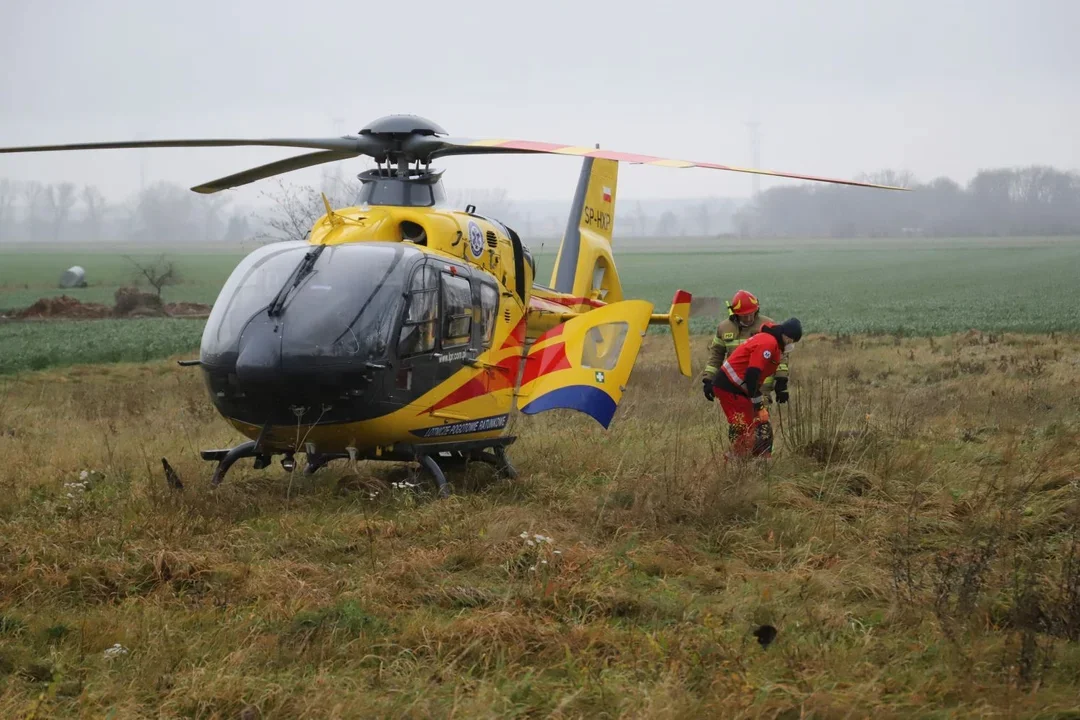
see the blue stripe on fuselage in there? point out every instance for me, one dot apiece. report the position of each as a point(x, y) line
point(592, 401)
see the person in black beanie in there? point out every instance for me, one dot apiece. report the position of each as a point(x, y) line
point(738, 387)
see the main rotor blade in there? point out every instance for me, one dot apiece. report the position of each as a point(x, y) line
point(346, 143)
point(444, 147)
point(270, 169)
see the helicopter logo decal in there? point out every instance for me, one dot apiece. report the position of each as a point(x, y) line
point(476, 239)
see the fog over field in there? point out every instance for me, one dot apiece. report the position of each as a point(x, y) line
point(977, 109)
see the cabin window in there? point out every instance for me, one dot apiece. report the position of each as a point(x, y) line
point(603, 344)
point(457, 310)
point(489, 309)
point(422, 314)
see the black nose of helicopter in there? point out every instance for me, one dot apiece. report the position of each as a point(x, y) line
point(304, 335)
point(269, 385)
point(273, 381)
point(258, 364)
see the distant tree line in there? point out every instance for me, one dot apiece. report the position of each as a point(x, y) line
point(1023, 201)
point(161, 213)
point(168, 214)
point(1030, 201)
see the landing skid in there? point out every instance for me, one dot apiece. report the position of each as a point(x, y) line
point(491, 452)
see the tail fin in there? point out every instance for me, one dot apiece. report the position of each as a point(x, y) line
point(678, 319)
point(584, 266)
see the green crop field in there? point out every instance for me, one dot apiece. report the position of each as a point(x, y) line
point(909, 286)
point(38, 345)
point(26, 276)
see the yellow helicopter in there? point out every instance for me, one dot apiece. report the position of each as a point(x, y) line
point(405, 330)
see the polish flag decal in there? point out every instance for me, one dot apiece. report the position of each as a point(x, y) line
point(607, 194)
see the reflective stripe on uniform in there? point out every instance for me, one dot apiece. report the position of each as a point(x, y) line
point(732, 375)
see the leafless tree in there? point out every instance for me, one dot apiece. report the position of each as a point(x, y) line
point(705, 218)
point(158, 272)
point(294, 209)
point(60, 199)
point(668, 225)
point(211, 207)
point(641, 220)
point(9, 190)
point(165, 213)
point(34, 193)
point(95, 210)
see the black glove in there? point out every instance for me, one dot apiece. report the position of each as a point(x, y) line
point(781, 390)
point(706, 387)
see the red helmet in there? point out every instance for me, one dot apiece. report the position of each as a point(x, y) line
point(744, 304)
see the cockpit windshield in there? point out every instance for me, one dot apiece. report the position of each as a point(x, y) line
point(342, 311)
point(249, 289)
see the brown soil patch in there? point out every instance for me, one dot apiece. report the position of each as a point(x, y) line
point(129, 303)
point(63, 307)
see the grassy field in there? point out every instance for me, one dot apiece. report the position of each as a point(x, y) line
point(914, 543)
point(909, 286)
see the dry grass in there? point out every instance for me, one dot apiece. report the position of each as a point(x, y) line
point(915, 543)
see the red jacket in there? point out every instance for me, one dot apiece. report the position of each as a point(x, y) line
point(744, 369)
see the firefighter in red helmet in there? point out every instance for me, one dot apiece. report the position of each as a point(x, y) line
point(739, 383)
point(744, 320)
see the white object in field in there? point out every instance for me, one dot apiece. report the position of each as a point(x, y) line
point(73, 277)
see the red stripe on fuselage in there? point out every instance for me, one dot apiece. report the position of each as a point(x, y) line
point(486, 381)
point(545, 361)
point(516, 338)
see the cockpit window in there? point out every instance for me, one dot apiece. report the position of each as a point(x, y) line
point(342, 311)
point(250, 288)
point(345, 310)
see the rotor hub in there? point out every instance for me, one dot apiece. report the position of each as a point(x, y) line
point(399, 125)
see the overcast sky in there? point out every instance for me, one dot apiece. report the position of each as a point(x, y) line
point(941, 87)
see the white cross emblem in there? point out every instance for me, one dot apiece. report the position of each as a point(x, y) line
point(599, 376)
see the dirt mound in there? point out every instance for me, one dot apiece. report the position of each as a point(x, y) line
point(132, 302)
point(187, 309)
point(64, 307)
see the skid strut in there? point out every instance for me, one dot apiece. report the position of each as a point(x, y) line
point(486, 451)
point(428, 463)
